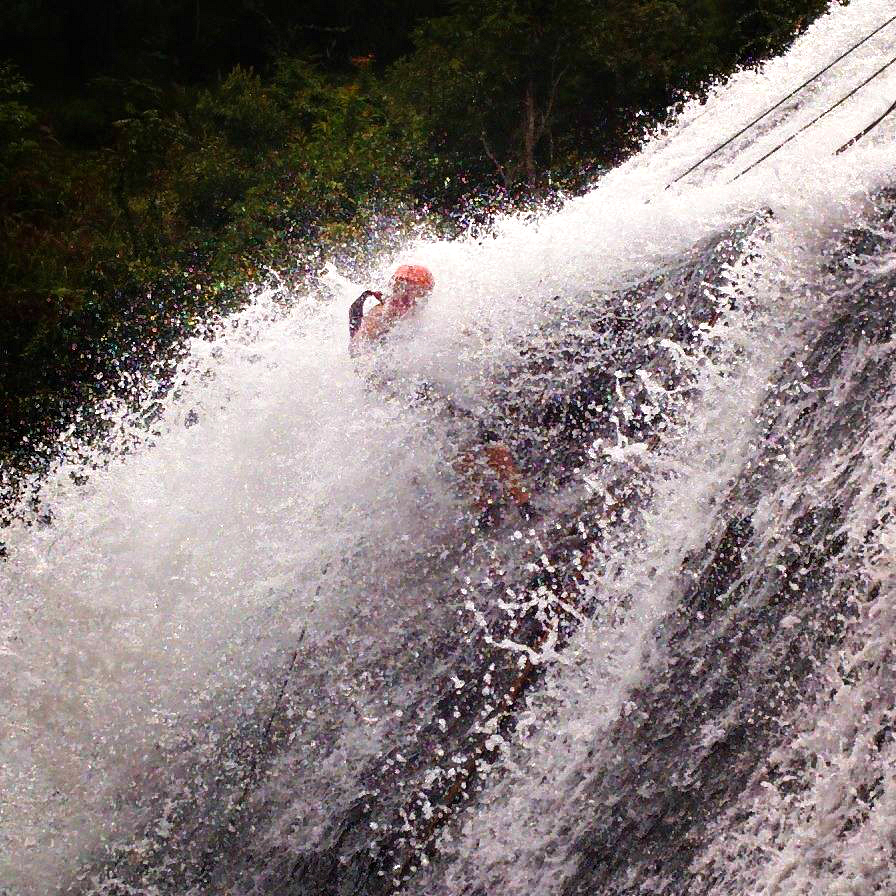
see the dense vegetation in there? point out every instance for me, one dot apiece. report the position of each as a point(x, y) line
point(156, 156)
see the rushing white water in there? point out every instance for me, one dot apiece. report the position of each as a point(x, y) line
point(280, 500)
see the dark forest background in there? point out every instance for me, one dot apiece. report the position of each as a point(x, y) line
point(155, 156)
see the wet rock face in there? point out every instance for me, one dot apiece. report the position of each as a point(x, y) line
point(763, 611)
point(583, 387)
point(610, 373)
point(756, 612)
point(602, 370)
point(694, 739)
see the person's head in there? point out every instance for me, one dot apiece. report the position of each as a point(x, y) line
point(409, 284)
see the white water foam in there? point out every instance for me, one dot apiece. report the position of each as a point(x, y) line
point(818, 816)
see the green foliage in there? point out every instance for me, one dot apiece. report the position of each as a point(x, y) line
point(16, 120)
point(498, 75)
point(133, 171)
point(754, 30)
point(243, 111)
point(207, 182)
point(521, 87)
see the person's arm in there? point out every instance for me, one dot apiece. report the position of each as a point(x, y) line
point(356, 311)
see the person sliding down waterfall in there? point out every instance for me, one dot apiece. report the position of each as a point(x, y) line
point(408, 287)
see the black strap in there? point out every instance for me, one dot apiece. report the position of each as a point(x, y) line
point(817, 118)
point(866, 131)
point(780, 103)
point(356, 311)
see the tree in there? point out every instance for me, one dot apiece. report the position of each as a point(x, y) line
point(493, 73)
point(515, 73)
point(751, 30)
point(16, 120)
point(518, 84)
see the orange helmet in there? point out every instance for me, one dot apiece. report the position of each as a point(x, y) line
point(414, 274)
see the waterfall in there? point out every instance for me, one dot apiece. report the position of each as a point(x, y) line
point(256, 644)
